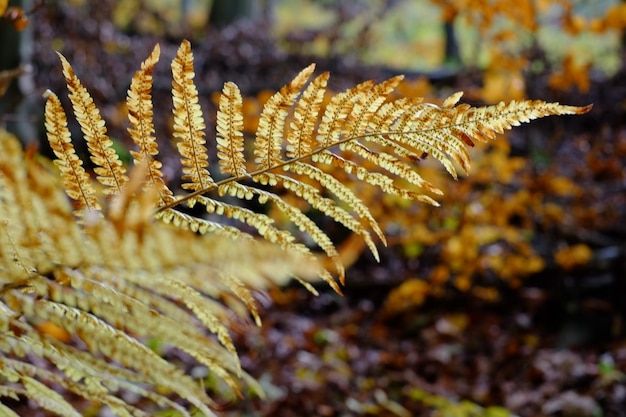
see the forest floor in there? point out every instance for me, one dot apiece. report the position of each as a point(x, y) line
point(552, 343)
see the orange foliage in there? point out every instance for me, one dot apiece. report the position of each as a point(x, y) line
point(571, 74)
point(570, 257)
point(14, 15)
point(503, 29)
point(405, 297)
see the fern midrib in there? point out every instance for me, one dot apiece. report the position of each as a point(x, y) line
point(503, 115)
point(192, 141)
point(278, 166)
point(232, 132)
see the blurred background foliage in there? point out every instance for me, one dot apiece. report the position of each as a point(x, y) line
point(535, 234)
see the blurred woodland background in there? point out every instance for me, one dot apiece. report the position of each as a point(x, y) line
point(509, 298)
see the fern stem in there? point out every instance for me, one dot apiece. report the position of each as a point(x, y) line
point(252, 174)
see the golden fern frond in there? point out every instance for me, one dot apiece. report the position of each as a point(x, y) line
point(295, 215)
point(196, 224)
point(142, 320)
point(45, 397)
point(109, 168)
point(4, 410)
point(230, 141)
point(366, 106)
point(327, 206)
point(271, 131)
point(300, 139)
point(115, 285)
point(298, 143)
point(101, 337)
point(77, 183)
point(140, 114)
point(188, 122)
point(342, 192)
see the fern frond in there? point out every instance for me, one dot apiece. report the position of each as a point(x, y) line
point(337, 113)
point(261, 222)
point(77, 183)
point(118, 345)
point(6, 411)
point(103, 301)
point(47, 398)
point(327, 206)
point(361, 131)
point(188, 122)
point(115, 289)
point(268, 145)
point(300, 139)
point(88, 376)
point(195, 224)
point(295, 215)
point(365, 108)
point(109, 168)
point(340, 190)
point(230, 142)
point(139, 102)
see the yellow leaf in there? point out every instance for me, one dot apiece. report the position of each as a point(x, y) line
point(572, 256)
point(463, 283)
point(452, 324)
point(503, 86)
point(409, 295)
point(572, 74)
point(440, 275)
point(563, 187)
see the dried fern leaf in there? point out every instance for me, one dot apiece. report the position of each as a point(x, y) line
point(337, 113)
point(123, 311)
point(390, 163)
point(485, 122)
point(109, 168)
point(89, 388)
point(146, 280)
point(195, 224)
point(327, 206)
point(86, 375)
point(393, 117)
point(230, 141)
point(340, 190)
point(17, 268)
point(261, 222)
point(268, 145)
point(77, 183)
point(119, 346)
point(6, 411)
point(140, 116)
point(48, 398)
point(295, 215)
point(243, 293)
point(377, 179)
point(189, 124)
point(365, 107)
point(301, 140)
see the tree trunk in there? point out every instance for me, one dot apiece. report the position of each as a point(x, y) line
point(225, 12)
point(16, 105)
